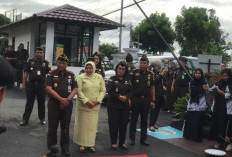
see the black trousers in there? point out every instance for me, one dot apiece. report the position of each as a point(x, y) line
point(118, 120)
point(154, 113)
point(181, 91)
point(140, 106)
point(32, 91)
point(56, 116)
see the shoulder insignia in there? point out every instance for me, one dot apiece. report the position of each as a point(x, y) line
point(70, 72)
point(151, 71)
point(52, 71)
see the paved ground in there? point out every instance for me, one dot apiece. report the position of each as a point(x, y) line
point(30, 141)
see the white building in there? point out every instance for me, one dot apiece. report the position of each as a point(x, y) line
point(65, 29)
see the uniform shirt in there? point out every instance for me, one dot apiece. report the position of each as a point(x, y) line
point(37, 70)
point(22, 57)
point(11, 54)
point(117, 87)
point(62, 84)
point(131, 67)
point(100, 71)
point(159, 82)
point(181, 77)
point(142, 82)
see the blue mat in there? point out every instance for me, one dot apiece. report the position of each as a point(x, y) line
point(166, 132)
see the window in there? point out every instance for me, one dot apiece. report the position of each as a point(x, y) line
point(42, 34)
point(75, 41)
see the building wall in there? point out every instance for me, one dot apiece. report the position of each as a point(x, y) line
point(22, 34)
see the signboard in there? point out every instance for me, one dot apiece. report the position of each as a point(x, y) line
point(59, 50)
point(209, 63)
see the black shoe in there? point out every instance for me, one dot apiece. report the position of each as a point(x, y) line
point(65, 152)
point(82, 150)
point(91, 149)
point(123, 147)
point(114, 148)
point(42, 122)
point(23, 123)
point(132, 142)
point(144, 142)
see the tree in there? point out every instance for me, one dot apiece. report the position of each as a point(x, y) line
point(151, 42)
point(218, 49)
point(108, 50)
point(4, 20)
point(196, 29)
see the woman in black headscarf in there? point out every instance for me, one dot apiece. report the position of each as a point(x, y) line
point(196, 107)
point(98, 63)
point(219, 116)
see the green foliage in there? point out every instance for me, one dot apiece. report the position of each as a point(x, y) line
point(145, 33)
point(218, 49)
point(4, 20)
point(212, 77)
point(180, 107)
point(197, 29)
point(108, 50)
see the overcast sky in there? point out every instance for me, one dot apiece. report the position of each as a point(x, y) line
point(132, 15)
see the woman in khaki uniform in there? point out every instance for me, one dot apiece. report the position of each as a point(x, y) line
point(91, 92)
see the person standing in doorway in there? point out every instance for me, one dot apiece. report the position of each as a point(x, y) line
point(22, 56)
point(11, 56)
point(36, 69)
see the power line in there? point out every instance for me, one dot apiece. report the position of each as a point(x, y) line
point(128, 26)
point(123, 8)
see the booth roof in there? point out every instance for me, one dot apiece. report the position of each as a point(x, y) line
point(68, 14)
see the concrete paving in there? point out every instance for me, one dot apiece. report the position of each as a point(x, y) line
point(30, 141)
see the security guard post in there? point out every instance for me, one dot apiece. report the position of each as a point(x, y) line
point(143, 96)
point(180, 83)
point(36, 69)
point(61, 87)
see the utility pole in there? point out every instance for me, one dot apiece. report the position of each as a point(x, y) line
point(120, 34)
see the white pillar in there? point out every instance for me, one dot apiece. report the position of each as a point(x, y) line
point(49, 41)
point(96, 39)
